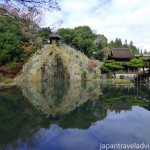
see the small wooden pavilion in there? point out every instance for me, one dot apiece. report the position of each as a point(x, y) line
point(54, 38)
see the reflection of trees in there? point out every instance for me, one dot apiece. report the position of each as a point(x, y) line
point(113, 98)
point(72, 105)
point(122, 97)
point(144, 90)
point(19, 120)
point(84, 116)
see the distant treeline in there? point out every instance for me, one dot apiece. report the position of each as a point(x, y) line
point(18, 40)
point(93, 45)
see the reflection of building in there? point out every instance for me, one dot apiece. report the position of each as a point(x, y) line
point(144, 71)
point(119, 106)
point(54, 38)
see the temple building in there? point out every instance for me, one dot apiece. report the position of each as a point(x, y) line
point(55, 38)
point(123, 55)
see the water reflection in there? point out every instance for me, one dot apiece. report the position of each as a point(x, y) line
point(73, 116)
point(57, 98)
point(19, 120)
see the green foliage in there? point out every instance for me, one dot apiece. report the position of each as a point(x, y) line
point(10, 37)
point(111, 66)
point(19, 119)
point(12, 64)
point(45, 33)
point(137, 62)
point(83, 39)
point(67, 35)
point(118, 44)
point(102, 41)
point(122, 77)
point(134, 49)
point(84, 75)
point(96, 75)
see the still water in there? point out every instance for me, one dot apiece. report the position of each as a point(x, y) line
point(73, 116)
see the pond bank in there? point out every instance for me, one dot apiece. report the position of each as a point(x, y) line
point(10, 82)
point(117, 81)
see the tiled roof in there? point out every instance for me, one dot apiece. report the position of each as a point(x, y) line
point(55, 35)
point(121, 53)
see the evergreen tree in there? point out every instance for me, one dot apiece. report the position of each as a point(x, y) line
point(10, 38)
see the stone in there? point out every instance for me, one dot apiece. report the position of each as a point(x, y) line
point(59, 62)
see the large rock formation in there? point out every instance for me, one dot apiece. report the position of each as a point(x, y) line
point(59, 62)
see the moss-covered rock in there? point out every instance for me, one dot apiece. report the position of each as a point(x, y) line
point(63, 62)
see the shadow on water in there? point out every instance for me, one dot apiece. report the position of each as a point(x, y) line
point(27, 111)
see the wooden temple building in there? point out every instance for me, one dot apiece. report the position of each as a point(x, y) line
point(123, 55)
point(55, 38)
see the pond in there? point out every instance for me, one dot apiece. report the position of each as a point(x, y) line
point(74, 116)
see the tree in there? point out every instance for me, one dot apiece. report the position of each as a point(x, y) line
point(82, 38)
point(131, 44)
point(10, 38)
point(101, 41)
point(125, 44)
point(111, 66)
point(137, 62)
point(135, 50)
point(37, 6)
point(118, 44)
point(67, 35)
point(45, 33)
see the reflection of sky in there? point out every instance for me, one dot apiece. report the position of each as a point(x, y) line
point(125, 127)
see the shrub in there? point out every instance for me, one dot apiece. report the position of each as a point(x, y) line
point(84, 75)
point(122, 77)
point(96, 75)
point(12, 64)
point(92, 64)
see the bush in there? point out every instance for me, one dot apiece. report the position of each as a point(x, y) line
point(122, 77)
point(84, 75)
point(92, 64)
point(12, 64)
point(96, 75)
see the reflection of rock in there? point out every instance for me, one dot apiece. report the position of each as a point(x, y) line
point(60, 97)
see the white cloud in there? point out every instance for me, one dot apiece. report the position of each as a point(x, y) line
point(126, 19)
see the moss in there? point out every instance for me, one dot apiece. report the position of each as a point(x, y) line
point(12, 64)
point(51, 53)
point(96, 75)
point(84, 75)
point(123, 82)
point(77, 56)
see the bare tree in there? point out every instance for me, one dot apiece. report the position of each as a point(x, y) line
point(16, 7)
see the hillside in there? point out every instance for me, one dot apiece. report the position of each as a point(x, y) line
point(59, 62)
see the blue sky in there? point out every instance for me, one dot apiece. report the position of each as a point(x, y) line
point(126, 19)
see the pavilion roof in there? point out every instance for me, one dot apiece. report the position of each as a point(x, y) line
point(55, 35)
point(121, 53)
